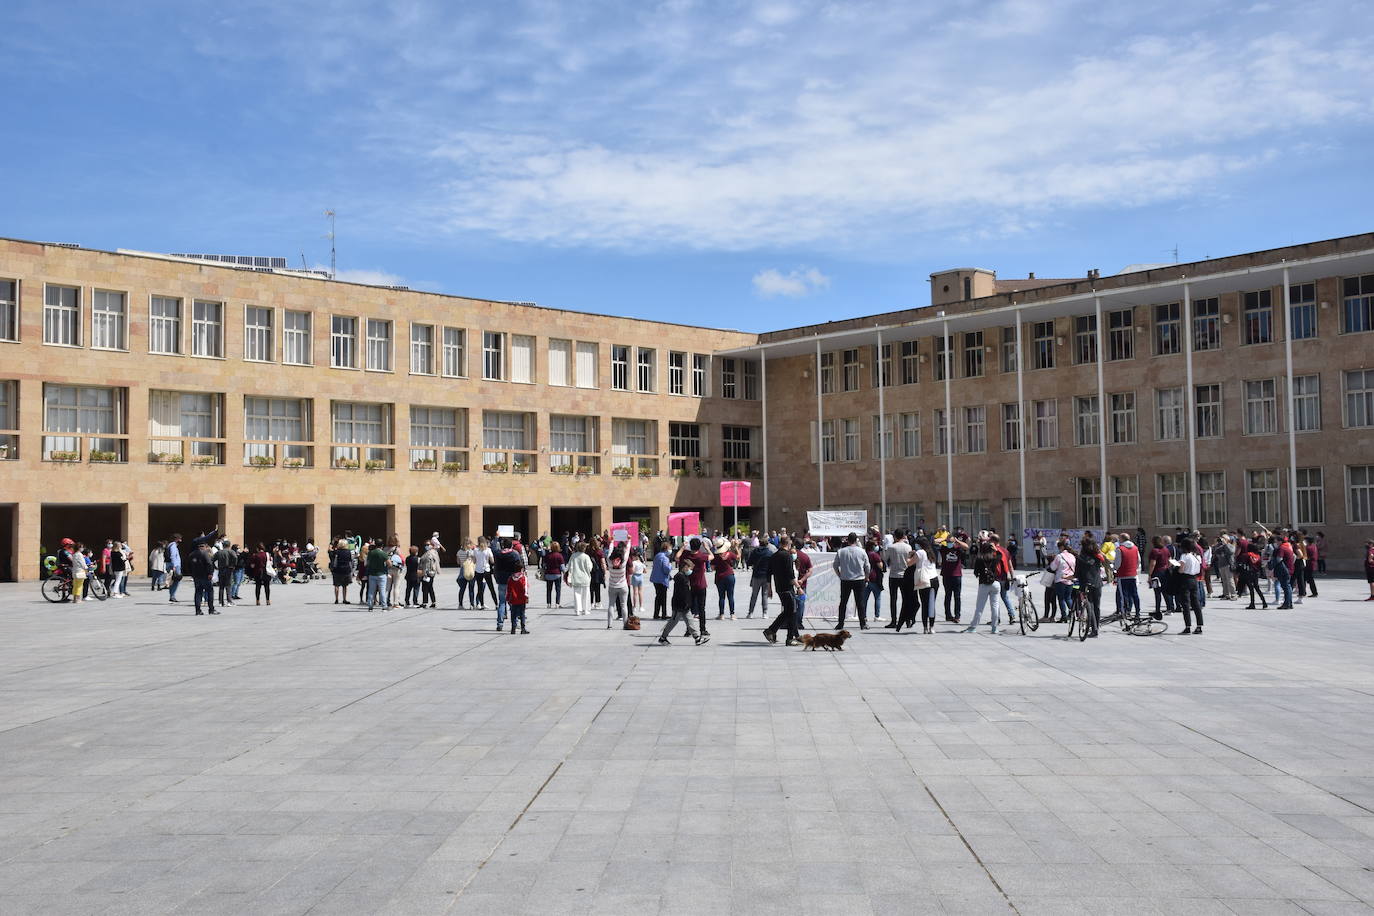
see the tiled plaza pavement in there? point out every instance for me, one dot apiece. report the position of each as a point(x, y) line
point(312, 758)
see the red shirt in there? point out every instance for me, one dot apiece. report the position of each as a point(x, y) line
point(1130, 560)
point(724, 565)
point(803, 570)
point(1159, 560)
point(1286, 555)
point(516, 592)
point(699, 561)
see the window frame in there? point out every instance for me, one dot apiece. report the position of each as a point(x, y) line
point(1201, 408)
point(494, 356)
point(620, 367)
point(1350, 396)
point(1179, 411)
point(1085, 340)
point(214, 328)
point(1303, 400)
point(11, 324)
point(1120, 337)
point(418, 348)
point(1257, 320)
point(74, 315)
point(370, 339)
point(1249, 404)
point(349, 340)
point(1042, 345)
point(1206, 324)
point(250, 331)
point(1357, 307)
point(293, 337)
point(1303, 321)
point(121, 326)
point(160, 326)
point(973, 354)
point(461, 349)
point(1167, 330)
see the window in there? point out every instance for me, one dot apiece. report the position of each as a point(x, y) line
point(207, 329)
point(738, 451)
point(942, 358)
point(1011, 427)
point(1211, 497)
point(941, 431)
point(911, 362)
point(1168, 330)
point(882, 365)
point(177, 415)
point(1123, 418)
point(677, 365)
point(1207, 412)
point(1311, 497)
point(1261, 407)
point(358, 423)
point(455, 352)
point(1090, 502)
point(1085, 339)
point(343, 342)
point(969, 514)
point(1360, 493)
point(849, 374)
point(493, 356)
point(973, 354)
point(900, 515)
point(1257, 318)
point(883, 444)
point(421, 349)
point(560, 362)
point(295, 343)
point(1302, 311)
point(257, 334)
point(9, 310)
point(1206, 324)
point(1046, 423)
point(522, 358)
point(1126, 500)
point(586, 364)
point(827, 373)
point(438, 436)
point(1357, 314)
point(701, 372)
point(1262, 489)
point(850, 445)
point(164, 325)
point(646, 363)
point(631, 438)
point(1169, 414)
point(82, 411)
point(107, 320)
point(685, 446)
point(1173, 500)
point(1087, 424)
point(1009, 349)
point(570, 436)
point(729, 378)
point(827, 440)
point(1041, 513)
point(1121, 334)
point(975, 429)
point(620, 367)
point(271, 420)
point(1042, 345)
point(379, 344)
point(909, 427)
point(62, 316)
point(1359, 398)
point(505, 431)
point(9, 419)
point(1307, 405)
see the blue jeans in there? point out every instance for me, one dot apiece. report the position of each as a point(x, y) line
point(725, 591)
point(1128, 593)
point(174, 577)
point(874, 593)
point(501, 605)
point(376, 591)
point(1063, 593)
point(1283, 581)
point(238, 580)
point(1006, 601)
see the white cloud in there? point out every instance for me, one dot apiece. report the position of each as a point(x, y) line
point(794, 284)
point(367, 276)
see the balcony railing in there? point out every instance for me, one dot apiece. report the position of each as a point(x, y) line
point(95, 449)
point(739, 469)
point(448, 460)
point(690, 467)
point(633, 466)
point(200, 452)
point(578, 464)
point(515, 461)
point(367, 457)
point(278, 454)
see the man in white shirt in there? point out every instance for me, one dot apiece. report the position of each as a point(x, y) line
point(851, 567)
point(894, 558)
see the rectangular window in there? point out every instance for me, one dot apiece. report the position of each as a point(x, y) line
point(455, 352)
point(701, 373)
point(620, 367)
point(729, 377)
point(358, 423)
point(632, 438)
point(685, 446)
point(677, 367)
point(1123, 418)
point(1211, 497)
point(1042, 345)
point(909, 430)
point(1041, 512)
point(1207, 324)
point(1359, 398)
point(9, 420)
point(882, 366)
point(9, 310)
point(1357, 312)
point(295, 343)
point(343, 342)
point(943, 346)
point(569, 435)
point(164, 325)
point(1207, 411)
point(1046, 414)
point(1257, 318)
point(207, 329)
point(941, 431)
point(1090, 502)
point(1311, 497)
point(1169, 414)
point(505, 431)
point(1121, 334)
point(910, 362)
point(851, 439)
point(646, 361)
point(177, 415)
point(1011, 427)
point(1168, 330)
point(379, 345)
point(969, 514)
point(750, 370)
point(522, 358)
point(438, 436)
point(1307, 404)
point(107, 320)
point(560, 362)
point(1360, 493)
point(827, 440)
point(494, 356)
point(1261, 407)
point(273, 420)
point(1087, 424)
point(827, 373)
point(257, 334)
point(739, 451)
point(1085, 339)
point(74, 412)
point(1262, 490)
point(975, 429)
point(61, 316)
point(421, 349)
point(1173, 500)
point(586, 368)
point(1009, 349)
point(1126, 500)
point(884, 445)
point(1302, 311)
point(973, 354)
point(849, 370)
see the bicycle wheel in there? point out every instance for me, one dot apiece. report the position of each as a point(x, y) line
point(1081, 612)
point(56, 589)
point(1027, 613)
point(96, 589)
point(1148, 627)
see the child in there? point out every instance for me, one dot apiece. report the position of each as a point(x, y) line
point(682, 603)
point(517, 596)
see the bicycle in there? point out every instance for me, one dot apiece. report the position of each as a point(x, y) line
point(1138, 625)
point(58, 588)
point(1026, 612)
point(1078, 614)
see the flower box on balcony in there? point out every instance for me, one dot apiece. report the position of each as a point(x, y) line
point(521, 467)
point(262, 461)
point(622, 472)
point(424, 464)
point(374, 464)
point(561, 469)
point(205, 461)
point(104, 457)
point(64, 456)
point(293, 463)
point(452, 467)
point(584, 470)
point(679, 472)
point(646, 472)
point(168, 458)
point(496, 467)
point(348, 464)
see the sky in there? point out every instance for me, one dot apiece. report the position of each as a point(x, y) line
point(752, 165)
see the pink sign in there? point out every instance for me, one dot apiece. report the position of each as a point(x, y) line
point(627, 532)
point(684, 524)
point(734, 492)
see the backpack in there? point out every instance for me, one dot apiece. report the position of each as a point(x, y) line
point(469, 569)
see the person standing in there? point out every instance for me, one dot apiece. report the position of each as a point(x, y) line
point(1248, 571)
point(1186, 585)
point(1282, 563)
point(852, 568)
point(395, 572)
point(660, 577)
point(551, 564)
point(173, 567)
point(118, 570)
point(429, 574)
point(617, 584)
point(1368, 565)
point(758, 575)
point(341, 569)
point(517, 598)
point(376, 577)
point(1161, 575)
point(157, 565)
point(700, 559)
point(783, 568)
point(723, 565)
point(1063, 566)
point(578, 577)
point(986, 565)
point(507, 561)
point(412, 574)
point(894, 558)
point(876, 574)
point(1315, 562)
point(953, 555)
point(1005, 571)
point(482, 560)
point(225, 562)
point(202, 569)
point(682, 604)
point(1223, 562)
point(1091, 571)
point(1127, 563)
point(259, 562)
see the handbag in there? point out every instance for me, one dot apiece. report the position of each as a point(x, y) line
point(1046, 578)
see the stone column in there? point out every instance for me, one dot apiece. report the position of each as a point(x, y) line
point(26, 537)
point(231, 522)
point(135, 523)
point(398, 522)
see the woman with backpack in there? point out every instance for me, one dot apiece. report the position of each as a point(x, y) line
point(552, 566)
point(1091, 572)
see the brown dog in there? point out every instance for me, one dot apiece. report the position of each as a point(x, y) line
point(827, 641)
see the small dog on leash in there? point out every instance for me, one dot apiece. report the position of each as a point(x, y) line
point(827, 641)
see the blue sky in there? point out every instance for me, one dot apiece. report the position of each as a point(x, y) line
point(746, 164)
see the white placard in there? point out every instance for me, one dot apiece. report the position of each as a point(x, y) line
point(837, 522)
point(505, 531)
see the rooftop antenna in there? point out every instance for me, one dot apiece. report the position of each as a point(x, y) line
point(304, 266)
point(333, 257)
point(1173, 251)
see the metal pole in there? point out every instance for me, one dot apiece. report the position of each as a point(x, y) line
point(949, 429)
point(1292, 419)
point(882, 442)
point(820, 438)
point(1188, 405)
point(1101, 411)
point(1021, 431)
point(763, 399)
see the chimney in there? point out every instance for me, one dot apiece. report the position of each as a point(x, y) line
point(1032, 276)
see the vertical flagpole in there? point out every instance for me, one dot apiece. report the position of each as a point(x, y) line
point(1292, 419)
point(949, 429)
point(1021, 431)
point(820, 438)
point(763, 395)
point(1101, 413)
point(882, 440)
point(1188, 405)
